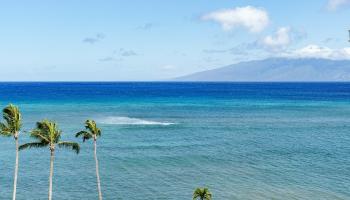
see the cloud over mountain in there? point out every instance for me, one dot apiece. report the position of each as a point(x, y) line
point(315, 51)
point(279, 40)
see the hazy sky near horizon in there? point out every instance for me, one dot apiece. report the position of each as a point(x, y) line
point(157, 40)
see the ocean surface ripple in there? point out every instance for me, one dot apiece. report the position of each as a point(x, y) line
point(161, 140)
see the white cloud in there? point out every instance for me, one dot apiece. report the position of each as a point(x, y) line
point(254, 19)
point(315, 51)
point(279, 40)
point(335, 4)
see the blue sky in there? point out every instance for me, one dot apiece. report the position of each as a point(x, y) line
point(156, 39)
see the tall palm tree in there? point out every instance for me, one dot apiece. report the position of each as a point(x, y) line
point(12, 127)
point(46, 134)
point(92, 131)
point(202, 194)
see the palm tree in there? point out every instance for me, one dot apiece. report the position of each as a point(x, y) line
point(92, 131)
point(46, 134)
point(12, 127)
point(202, 194)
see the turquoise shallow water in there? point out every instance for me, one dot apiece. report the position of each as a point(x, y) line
point(161, 140)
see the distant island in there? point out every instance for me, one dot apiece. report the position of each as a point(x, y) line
point(278, 69)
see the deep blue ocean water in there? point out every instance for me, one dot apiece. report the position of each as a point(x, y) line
point(162, 140)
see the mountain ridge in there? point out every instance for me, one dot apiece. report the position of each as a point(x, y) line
point(277, 69)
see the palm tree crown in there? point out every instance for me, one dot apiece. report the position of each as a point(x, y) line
point(13, 121)
point(47, 134)
point(92, 131)
point(202, 194)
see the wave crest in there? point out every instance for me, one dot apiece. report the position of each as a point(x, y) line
point(131, 121)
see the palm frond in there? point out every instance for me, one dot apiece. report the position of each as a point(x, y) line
point(2, 126)
point(4, 130)
point(85, 134)
point(197, 193)
point(48, 130)
point(92, 131)
point(12, 116)
point(80, 133)
point(39, 135)
point(33, 145)
point(207, 194)
point(202, 193)
point(72, 145)
point(48, 134)
point(92, 127)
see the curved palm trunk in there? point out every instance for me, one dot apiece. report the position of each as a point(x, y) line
point(51, 174)
point(97, 171)
point(16, 171)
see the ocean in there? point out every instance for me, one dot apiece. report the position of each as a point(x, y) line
point(162, 140)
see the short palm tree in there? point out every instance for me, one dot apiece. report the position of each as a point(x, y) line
point(92, 131)
point(46, 134)
point(12, 127)
point(202, 194)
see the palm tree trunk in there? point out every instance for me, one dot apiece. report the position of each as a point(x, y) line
point(97, 171)
point(16, 171)
point(51, 174)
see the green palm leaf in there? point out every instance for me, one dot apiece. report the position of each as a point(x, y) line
point(32, 145)
point(47, 133)
point(80, 133)
point(86, 135)
point(4, 130)
point(92, 131)
point(202, 194)
point(12, 121)
point(72, 145)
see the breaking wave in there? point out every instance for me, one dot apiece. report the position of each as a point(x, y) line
point(131, 121)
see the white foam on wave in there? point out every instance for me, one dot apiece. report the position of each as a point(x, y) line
point(131, 121)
